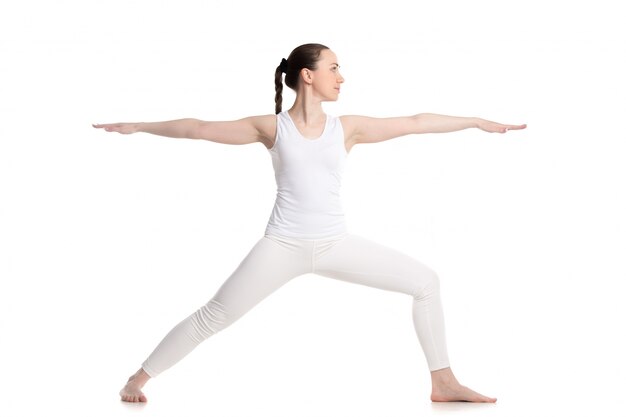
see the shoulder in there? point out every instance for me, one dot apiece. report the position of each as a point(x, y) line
point(265, 125)
point(351, 123)
point(263, 121)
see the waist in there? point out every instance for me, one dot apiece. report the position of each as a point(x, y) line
point(298, 223)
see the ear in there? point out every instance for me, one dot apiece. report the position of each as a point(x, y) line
point(306, 75)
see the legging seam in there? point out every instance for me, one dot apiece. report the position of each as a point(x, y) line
point(343, 271)
point(313, 256)
point(372, 275)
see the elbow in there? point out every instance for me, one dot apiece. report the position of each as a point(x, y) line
point(419, 122)
point(193, 129)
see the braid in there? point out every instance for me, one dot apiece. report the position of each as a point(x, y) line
point(278, 82)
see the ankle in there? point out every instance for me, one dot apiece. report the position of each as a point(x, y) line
point(139, 378)
point(443, 377)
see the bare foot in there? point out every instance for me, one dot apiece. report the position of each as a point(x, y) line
point(459, 393)
point(446, 388)
point(132, 390)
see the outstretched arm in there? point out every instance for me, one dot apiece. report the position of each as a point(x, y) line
point(236, 132)
point(360, 129)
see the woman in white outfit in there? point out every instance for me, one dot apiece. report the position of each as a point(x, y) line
point(306, 232)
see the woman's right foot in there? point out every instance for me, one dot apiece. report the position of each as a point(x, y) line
point(459, 393)
point(446, 388)
point(132, 390)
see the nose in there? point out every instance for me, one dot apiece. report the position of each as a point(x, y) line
point(340, 78)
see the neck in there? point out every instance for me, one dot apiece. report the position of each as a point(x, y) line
point(306, 108)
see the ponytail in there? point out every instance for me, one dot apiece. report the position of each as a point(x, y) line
point(278, 82)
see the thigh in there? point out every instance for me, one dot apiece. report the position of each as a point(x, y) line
point(362, 261)
point(266, 268)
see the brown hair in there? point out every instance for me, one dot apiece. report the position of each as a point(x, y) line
point(304, 56)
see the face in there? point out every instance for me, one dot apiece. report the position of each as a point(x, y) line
point(326, 79)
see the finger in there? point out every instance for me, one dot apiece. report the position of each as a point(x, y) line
point(516, 127)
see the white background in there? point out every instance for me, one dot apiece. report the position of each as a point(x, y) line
point(107, 241)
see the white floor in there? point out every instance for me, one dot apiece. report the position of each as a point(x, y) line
point(298, 397)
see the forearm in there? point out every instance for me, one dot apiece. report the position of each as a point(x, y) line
point(439, 123)
point(181, 128)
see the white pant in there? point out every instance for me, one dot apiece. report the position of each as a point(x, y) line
point(275, 260)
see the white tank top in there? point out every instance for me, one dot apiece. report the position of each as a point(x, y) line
point(308, 180)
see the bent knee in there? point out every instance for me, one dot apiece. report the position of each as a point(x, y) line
point(428, 285)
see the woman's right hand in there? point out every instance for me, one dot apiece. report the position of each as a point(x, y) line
point(123, 128)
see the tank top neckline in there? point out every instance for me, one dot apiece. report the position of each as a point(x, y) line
point(301, 136)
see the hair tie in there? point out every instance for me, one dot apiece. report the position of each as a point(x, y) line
point(283, 65)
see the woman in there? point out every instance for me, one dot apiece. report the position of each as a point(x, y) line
point(306, 232)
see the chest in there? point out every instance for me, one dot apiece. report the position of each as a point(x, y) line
point(305, 155)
